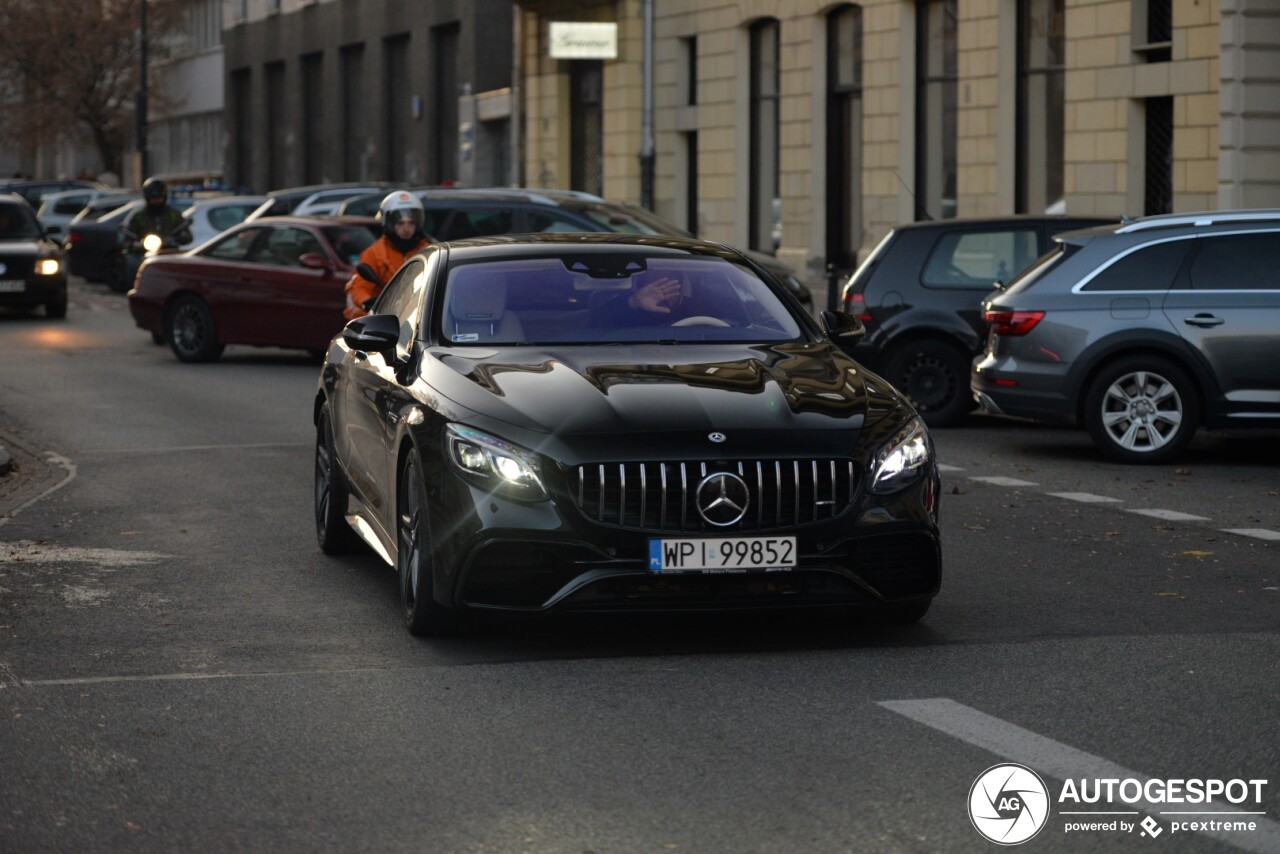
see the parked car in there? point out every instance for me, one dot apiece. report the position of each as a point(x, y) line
point(920, 292)
point(326, 202)
point(209, 217)
point(95, 246)
point(31, 266)
point(486, 436)
point(275, 282)
point(283, 202)
point(58, 209)
point(1143, 331)
point(453, 214)
point(34, 191)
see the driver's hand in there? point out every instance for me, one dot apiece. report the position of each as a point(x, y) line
point(659, 296)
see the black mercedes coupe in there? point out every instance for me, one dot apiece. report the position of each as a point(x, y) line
point(616, 422)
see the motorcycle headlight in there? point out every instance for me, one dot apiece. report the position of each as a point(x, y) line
point(494, 464)
point(152, 242)
point(900, 461)
point(48, 266)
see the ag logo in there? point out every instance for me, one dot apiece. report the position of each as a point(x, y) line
point(1008, 804)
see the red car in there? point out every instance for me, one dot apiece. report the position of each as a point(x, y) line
point(274, 282)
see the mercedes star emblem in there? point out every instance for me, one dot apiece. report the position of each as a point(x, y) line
point(722, 499)
point(717, 437)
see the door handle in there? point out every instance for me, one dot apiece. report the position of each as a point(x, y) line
point(1203, 320)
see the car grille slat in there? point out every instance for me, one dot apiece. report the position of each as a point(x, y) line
point(782, 493)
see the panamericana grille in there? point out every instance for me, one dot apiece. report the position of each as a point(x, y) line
point(662, 496)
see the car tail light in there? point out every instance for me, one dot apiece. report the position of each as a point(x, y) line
point(75, 237)
point(856, 304)
point(1012, 323)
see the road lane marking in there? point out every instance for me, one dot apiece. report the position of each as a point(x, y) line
point(34, 553)
point(1085, 497)
point(943, 467)
point(1260, 533)
point(1004, 481)
point(184, 448)
point(1057, 759)
point(1167, 515)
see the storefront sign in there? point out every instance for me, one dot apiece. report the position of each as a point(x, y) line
point(573, 40)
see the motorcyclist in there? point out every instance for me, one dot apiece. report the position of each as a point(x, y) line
point(402, 215)
point(156, 217)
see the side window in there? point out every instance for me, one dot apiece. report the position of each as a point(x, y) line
point(976, 259)
point(285, 246)
point(226, 216)
point(477, 222)
point(543, 221)
point(402, 297)
point(71, 204)
point(1238, 262)
point(234, 247)
point(1151, 268)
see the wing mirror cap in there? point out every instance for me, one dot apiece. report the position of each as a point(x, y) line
point(842, 327)
point(373, 333)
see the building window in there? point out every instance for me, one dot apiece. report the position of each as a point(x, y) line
point(241, 123)
point(689, 53)
point(396, 110)
point(1158, 169)
point(277, 153)
point(765, 204)
point(844, 136)
point(586, 125)
point(1041, 105)
point(353, 112)
point(444, 40)
point(1153, 29)
point(312, 115)
point(936, 73)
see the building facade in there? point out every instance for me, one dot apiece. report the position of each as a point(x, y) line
point(368, 90)
point(185, 135)
point(811, 127)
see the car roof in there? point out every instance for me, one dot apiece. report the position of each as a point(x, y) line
point(997, 221)
point(556, 243)
point(316, 221)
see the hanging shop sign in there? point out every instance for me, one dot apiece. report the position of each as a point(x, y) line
point(580, 40)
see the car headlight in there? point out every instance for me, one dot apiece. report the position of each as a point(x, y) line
point(495, 464)
point(48, 266)
point(900, 461)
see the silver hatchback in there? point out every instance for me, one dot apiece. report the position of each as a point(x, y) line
point(1142, 332)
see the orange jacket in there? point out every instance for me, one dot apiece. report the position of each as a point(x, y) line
point(385, 260)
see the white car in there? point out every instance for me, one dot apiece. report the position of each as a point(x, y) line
point(210, 217)
point(58, 209)
point(326, 202)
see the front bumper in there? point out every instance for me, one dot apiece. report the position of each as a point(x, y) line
point(39, 290)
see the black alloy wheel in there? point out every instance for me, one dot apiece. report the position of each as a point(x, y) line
point(1142, 409)
point(332, 531)
point(423, 615)
point(935, 376)
point(191, 332)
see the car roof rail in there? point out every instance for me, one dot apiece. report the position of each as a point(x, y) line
point(1201, 218)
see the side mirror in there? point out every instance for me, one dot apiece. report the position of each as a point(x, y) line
point(373, 333)
point(842, 327)
point(315, 261)
point(367, 272)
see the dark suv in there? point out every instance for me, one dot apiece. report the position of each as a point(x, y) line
point(919, 294)
point(1143, 331)
point(31, 266)
point(456, 214)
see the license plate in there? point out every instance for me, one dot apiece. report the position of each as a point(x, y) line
point(12, 286)
point(731, 554)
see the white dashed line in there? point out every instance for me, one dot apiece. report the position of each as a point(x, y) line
point(1004, 481)
point(943, 467)
point(1059, 760)
point(1260, 533)
point(1085, 497)
point(1168, 515)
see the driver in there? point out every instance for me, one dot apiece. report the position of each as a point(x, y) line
point(653, 304)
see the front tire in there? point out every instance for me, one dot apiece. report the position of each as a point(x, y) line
point(1142, 409)
point(332, 531)
point(934, 375)
point(423, 615)
point(192, 335)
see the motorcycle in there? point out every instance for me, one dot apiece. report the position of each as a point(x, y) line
point(136, 249)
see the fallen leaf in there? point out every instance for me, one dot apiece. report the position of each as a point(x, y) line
point(1197, 553)
point(132, 825)
point(1168, 594)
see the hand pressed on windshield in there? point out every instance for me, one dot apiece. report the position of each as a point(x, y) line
point(658, 296)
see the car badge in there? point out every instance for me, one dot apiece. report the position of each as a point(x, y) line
point(3, 269)
point(722, 499)
point(717, 437)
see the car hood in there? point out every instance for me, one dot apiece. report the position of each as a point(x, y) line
point(664, 399)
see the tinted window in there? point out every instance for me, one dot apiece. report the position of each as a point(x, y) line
point(1238, 262)
point(1151, 268)
point(285, 246)
point(348, 241)
point(17, 222)
point(475, 223)
point(552, 221)
point(400, 296)
point(976, 259)
point(225, 216)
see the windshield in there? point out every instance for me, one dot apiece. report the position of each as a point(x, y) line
point(17, 222)
point(614, 298)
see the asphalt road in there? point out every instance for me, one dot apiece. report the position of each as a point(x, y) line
point(182, 670)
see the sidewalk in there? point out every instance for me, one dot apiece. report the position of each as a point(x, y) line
point(25, 473)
